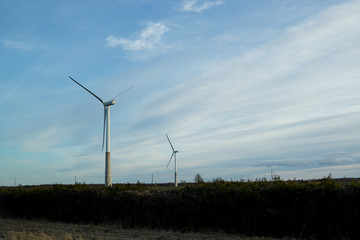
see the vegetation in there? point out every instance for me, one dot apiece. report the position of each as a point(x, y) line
point(198, 178)
point(324, 209)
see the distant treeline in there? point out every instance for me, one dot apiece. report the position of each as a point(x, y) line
point(323, 209)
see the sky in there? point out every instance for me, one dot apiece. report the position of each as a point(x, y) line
point(242, 88)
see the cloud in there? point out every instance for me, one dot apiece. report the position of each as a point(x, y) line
point(47, 138)
point(17, 44)
point(330, 159)
point(147, 39)
point(24, 45)
point(348, 170)
point(296, 94)
point(194, 6)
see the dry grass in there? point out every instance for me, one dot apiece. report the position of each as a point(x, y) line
point(13, 229)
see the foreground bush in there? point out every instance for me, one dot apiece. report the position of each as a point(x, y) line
point(323, 209)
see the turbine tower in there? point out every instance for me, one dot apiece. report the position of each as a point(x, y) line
point(108, 179)
point(173, 154)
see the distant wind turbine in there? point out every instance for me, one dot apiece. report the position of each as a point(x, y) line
point(173, 154)
point(108, 179)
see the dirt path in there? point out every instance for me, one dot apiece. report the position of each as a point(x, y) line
point(43, 230)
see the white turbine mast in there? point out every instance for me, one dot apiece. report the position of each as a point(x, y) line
point(172, 155)
point(108, 179)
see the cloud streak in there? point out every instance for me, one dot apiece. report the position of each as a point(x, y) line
point(17, 45)
point(331, 159)
point(194, 6)
point(147, 39)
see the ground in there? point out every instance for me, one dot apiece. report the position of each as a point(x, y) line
point(15, 229)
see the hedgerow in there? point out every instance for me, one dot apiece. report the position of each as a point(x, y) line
point(324, 209)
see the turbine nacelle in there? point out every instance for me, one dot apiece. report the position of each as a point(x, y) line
point(109, 103)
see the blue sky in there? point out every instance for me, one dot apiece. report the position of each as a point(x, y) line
point(240, 87)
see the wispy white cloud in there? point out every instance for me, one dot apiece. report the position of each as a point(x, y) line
point(329, 159)
point(24, 45)
point(147, 39)
point(17, 44)
point(349, 170)
point(47, 138)
point(296, 93)
point(195, 6)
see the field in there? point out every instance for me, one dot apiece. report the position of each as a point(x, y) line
point(43, 230)
point(321, 209)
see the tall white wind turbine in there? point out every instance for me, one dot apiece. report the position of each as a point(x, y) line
point(108, 179)
point(173, 154)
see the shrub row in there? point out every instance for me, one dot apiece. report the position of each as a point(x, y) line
point(323, 209)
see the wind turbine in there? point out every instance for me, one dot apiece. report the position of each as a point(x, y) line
point(173, 154)
point(108, 179)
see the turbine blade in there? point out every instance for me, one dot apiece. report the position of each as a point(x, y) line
point(170, 143)
point(87, 90)
point(122, 92)
point(170, 160)
point(105, 115)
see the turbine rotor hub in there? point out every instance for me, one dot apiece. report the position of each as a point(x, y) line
point(109, 103)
